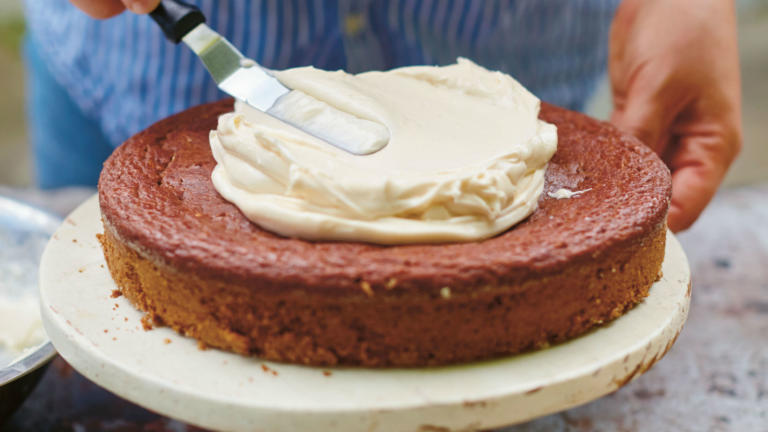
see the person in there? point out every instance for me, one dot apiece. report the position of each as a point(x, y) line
point(673, 67)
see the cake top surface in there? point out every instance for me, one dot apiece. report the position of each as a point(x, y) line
point(156, 194)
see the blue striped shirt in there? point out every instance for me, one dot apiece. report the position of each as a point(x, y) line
point(123, 73)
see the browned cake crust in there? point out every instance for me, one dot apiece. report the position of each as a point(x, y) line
point(192, 261)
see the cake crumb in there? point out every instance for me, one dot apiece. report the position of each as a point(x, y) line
point(366, 287)
point(81, 269)
point(106, 331)
point(114, 338)
point(327, 373)
point(74, 240)
point(166, 341)
point(116, 293)
point(391, 283)
point(268, 370)
point(445, 292)
point(146, 322)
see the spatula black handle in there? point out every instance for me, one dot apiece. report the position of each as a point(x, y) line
point(177, 18)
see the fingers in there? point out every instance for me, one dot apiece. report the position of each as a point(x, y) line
point(99, 9)
point(649, 103)
point(102, 9)
point(643, 115)
point(698, 163)
point(141, 6)
point(638, 112)
point(692, 189)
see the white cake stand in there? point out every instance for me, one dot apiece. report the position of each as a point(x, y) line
point(102, 338)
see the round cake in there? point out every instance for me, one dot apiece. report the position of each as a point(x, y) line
point(192, 261)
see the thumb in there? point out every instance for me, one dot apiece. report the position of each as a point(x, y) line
point(141, 6)
point(645, 109)
point(99, 9)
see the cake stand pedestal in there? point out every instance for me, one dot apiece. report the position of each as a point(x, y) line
point(102, 337)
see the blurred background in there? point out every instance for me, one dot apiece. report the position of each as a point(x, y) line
point(15, 166)
point(14, 161)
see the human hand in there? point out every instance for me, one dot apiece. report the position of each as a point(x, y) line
point(674, 71)
point(108, 8)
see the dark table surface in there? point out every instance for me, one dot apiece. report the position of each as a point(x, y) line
point(715, 378)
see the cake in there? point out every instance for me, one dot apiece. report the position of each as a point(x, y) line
point(192, 261)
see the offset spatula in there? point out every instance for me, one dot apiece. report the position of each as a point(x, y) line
point(235, 74)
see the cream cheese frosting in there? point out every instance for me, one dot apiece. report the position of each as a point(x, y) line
point(564, 193)
point(20, 325)
point(464, 158)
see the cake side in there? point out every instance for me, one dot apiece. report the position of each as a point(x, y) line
point(367, 329)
